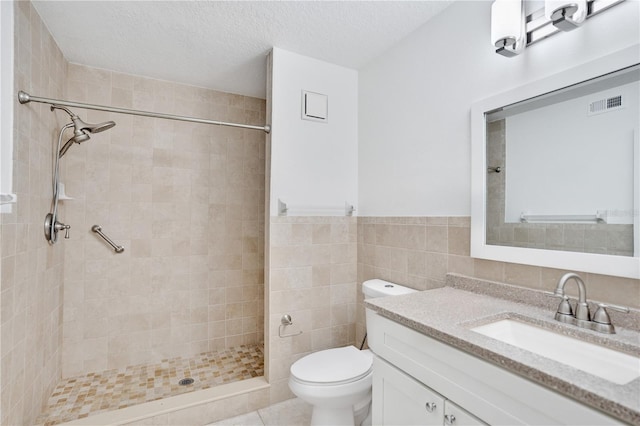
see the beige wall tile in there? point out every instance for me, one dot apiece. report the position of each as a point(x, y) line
point(325, 249)
point(616, 290)
point(488, 269)
point(416, 263)
point(437, 239)
point(32, 271)
point(524, 275)
point(446, 249)
point(459, 240)
point(191, 209)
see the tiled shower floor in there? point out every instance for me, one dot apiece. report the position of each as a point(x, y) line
point(81, 396)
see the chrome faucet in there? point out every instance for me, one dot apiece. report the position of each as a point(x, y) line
point(601, 321)
point(582, 308)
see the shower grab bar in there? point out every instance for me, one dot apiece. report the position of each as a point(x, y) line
point(24, 97)
point(98, 230)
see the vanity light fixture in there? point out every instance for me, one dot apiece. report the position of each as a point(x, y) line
point(554, 17)
point(566, 15)
point(508, 32)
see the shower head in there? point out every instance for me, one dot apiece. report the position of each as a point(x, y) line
point(81, 130)
point(82, 136)
point(91, 128)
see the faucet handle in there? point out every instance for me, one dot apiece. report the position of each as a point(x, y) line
point(623, 309)
point(602, 316)
point(564, 307)
point(59, 226)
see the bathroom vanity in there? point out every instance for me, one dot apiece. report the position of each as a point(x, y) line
point(431, 367)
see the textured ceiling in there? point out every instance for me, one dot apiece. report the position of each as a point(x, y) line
point(222, 44)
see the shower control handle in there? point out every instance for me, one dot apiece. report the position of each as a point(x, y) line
point(59, 226)
point(51, 228)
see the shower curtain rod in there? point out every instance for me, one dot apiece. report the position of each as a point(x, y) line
point(24, 97)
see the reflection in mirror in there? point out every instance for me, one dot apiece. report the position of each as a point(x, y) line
point(568, 190)
point(562, 168)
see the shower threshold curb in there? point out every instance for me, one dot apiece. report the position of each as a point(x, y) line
point(146, 410)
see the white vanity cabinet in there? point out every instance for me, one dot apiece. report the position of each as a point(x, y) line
point(412, 370)
point(454, 415)
point(399, 399)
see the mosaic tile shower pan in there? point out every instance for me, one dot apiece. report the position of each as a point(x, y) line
point(94, 393)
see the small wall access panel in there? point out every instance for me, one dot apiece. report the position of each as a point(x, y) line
point(314, 106)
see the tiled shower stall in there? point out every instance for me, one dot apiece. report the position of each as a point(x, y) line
point(185, 200)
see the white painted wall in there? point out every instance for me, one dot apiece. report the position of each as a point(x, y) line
point(415, 100)
point(313, 164)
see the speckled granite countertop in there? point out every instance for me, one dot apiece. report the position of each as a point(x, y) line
point(448, 313)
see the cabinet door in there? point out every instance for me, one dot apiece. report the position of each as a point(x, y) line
point(456, 416)
point(400, 400)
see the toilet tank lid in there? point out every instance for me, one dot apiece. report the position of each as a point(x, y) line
point(381, 288)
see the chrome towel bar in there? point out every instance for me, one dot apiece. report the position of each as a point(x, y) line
point(98, 230)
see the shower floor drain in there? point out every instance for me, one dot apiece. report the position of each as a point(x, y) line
point(185, 382)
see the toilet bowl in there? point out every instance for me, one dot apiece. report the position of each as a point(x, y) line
point(337, 382)
point(333, 381)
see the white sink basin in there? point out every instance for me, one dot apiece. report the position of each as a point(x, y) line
point(608, 364)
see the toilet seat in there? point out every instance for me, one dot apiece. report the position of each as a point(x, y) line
point(333, 366)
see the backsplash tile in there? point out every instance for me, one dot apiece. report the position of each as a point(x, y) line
point(387, 250)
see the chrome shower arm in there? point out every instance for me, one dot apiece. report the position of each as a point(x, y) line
point(65, 109)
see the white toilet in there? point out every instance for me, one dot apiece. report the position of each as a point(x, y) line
point(337, 382)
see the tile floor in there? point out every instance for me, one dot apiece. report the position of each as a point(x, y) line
point(81, 396)
point(293, 412)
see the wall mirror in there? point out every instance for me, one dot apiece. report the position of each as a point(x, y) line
point(556, 170)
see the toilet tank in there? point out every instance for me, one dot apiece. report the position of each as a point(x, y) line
point(381, 288)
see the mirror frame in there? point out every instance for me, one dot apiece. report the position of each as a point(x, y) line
point(622, 266)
